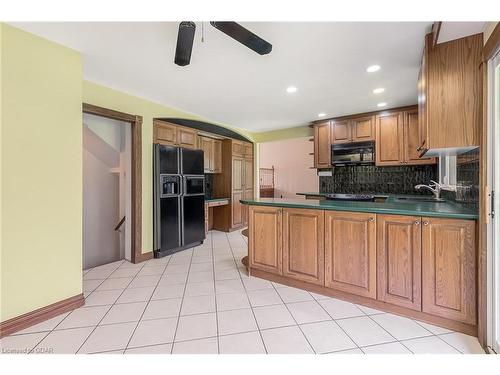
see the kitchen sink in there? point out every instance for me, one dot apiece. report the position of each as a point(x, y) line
point(421, 199)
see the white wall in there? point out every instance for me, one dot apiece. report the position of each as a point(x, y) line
point(292, 163)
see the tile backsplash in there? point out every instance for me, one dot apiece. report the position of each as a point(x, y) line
point(209, 182)
point(467, 179)
point(360, 179)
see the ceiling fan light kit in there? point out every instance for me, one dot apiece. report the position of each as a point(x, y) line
point(185, 38)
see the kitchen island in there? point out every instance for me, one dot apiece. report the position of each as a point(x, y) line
point(416, 259)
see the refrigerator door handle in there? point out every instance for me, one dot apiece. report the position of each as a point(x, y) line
point(181, 219)
point(156, 195)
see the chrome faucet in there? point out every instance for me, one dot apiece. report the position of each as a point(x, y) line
point(433, 187)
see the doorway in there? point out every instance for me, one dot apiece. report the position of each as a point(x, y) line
point(131, 203)
point(106, 190)
point(493, 256)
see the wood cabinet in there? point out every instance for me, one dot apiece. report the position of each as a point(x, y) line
point(165, 133)
point(340, 131)
point(248, 150)
point(247, 185)
point(450, 94)
point(265, 239)
point(397, 135)
point(169, 134)
point(238, 149)
point(322, 145)
point(350, 252)
point(303, 245)
point(212, 154)
point(363, 128)
point(389, 132)
point(411, 139)
point(238, 184)
point(399, 260)
point(449, 269)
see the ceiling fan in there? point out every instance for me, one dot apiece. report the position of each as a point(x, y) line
point(185, 38)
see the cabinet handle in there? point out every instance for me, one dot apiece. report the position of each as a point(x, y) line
point(426, 223)
point(371, 219)
point(417, 222)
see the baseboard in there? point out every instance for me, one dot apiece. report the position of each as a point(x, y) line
point(143, 257)
point(39, 315)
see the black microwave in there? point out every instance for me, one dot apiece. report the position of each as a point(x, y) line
point(353, 153)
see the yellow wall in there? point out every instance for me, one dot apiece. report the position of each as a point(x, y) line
point(41, 168)
point(102, 96)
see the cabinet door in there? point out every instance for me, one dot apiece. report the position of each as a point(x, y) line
point(350, 252)
point(217, 156)
point(422, 96)
point(449, 269)
point(237, 191)
point(265, 239)
point(206, 145)
point(399, 260)
point(186, 137)
point(303, 245)
point(341, 131)
point(363, 129)
point(237, 148)
point(247, 186)
point(412, 140)
point(165, 134)
point(389, 134)
point(248, 149)
point(322, 145)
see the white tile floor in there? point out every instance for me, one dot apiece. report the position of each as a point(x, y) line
point(202, 301)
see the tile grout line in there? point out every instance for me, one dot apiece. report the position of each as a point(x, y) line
point(97, 325)
point(440, 338)
point(182, 302)
point(215, 291)
point(147, 304)
point(246, 293)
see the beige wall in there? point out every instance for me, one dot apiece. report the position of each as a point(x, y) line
point(41, 172)
point(292, 163)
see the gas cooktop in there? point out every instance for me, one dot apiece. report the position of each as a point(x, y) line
point(351, 197)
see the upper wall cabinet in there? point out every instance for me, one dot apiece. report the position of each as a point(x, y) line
point(212, 154)
point(322, 145)
point(356, 129)
point(174, 135)
point(397, 135)
point(450, 95)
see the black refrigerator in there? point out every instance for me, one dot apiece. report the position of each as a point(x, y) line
point(179, 199)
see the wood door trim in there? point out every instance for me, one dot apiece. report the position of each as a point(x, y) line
point(39, 315)
point(492, 44)
point(135, 122)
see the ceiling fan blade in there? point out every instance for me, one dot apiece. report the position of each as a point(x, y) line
point(244, 36)
point(185, 39)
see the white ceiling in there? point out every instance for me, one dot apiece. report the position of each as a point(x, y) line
point(455, 30)
point(228, 83)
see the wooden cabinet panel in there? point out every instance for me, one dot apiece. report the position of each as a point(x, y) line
point(422, 95)
point(238, 174)
point(206, 145)
point(412, 140)
point(247, 194)
point(322, 145)
point(166, 134)
point(303, 245)
point(350, 253)
point(248, 150)
point(363, 128)
point(399, 260)
point(265, 239)
point(454, 87)
point(449, 269)
point(238, 186)
point(217, 156)
point(186, 137)
point(389, 134)
point(236, 209)
point(341, 131)
point(237, 148)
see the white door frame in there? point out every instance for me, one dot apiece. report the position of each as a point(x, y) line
point(493, 178)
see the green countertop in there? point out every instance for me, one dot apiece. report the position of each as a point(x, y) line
point(448, 209)
point(216, 200)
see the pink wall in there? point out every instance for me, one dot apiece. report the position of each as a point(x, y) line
point(292, 163)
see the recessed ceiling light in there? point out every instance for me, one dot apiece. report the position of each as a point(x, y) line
point(379, 90)
point(383, 104)
point(373, 68)
point(291, 89)
point(321, 114)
